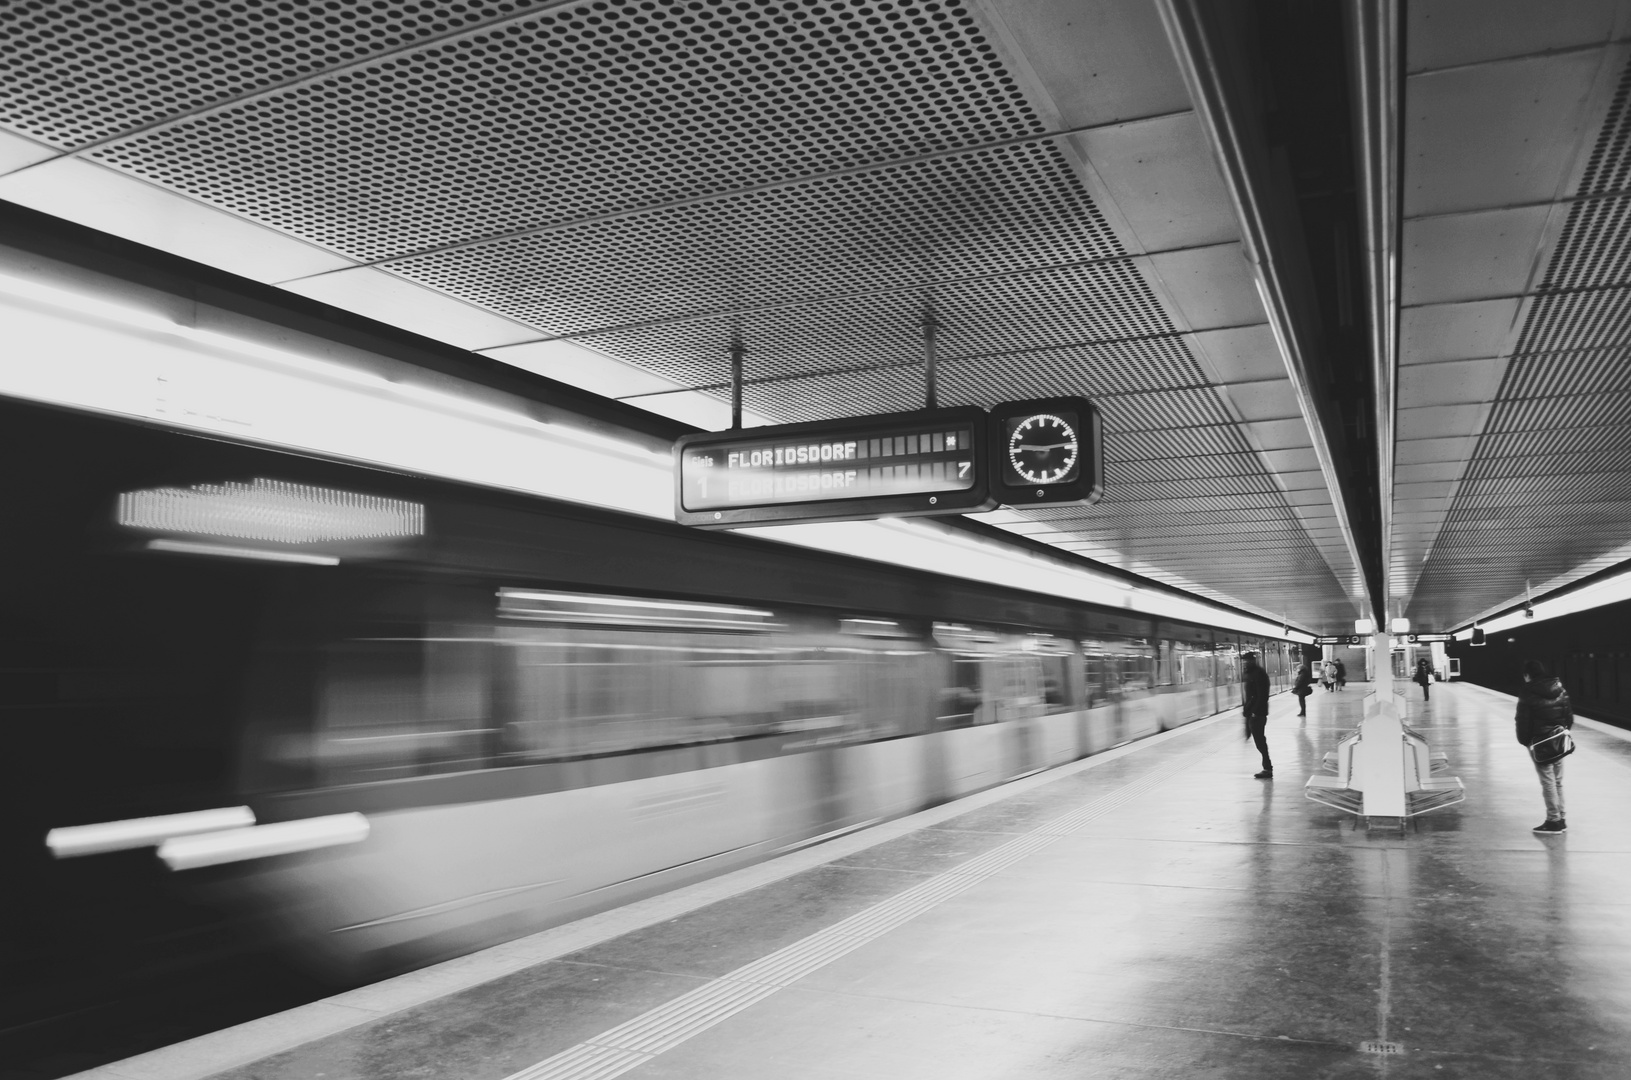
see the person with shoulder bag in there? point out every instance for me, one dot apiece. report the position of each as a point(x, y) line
point(1423, 678)
point(1544, 719)
point(1302, 686)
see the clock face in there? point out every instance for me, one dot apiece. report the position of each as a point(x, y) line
point(1043, 449)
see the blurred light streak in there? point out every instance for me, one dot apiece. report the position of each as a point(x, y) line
point(260, 841)
point(270, 510)
point(75, 840)
point(590, 599)
point(189, 547)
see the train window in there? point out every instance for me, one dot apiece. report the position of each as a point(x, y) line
point(813, 700)
point(962, 693)
point(402, 707)
point(1055, 681)
point(1115, 668)
point(1193, 665)
point(582, 692)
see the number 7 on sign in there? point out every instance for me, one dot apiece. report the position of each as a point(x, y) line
point(962, 469)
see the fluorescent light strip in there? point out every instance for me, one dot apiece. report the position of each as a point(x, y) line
point(75, 840)
point(923, 546)
point(205, 381)
point(188, 547)
point(80, 305)
point(1611, 590)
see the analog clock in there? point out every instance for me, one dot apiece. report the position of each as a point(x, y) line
point(1043, 449)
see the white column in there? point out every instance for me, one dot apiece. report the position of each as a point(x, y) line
point(1381, 663)
point(1378, 764)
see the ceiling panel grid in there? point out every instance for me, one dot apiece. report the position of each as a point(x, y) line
point(590, 109)
point(1545, 493)
point(74, 72)
point(652, 180)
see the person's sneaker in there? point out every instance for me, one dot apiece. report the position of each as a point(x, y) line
point(1551, 827)
point(1266, 774)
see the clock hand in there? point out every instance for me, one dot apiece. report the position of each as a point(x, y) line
point(1043, 446)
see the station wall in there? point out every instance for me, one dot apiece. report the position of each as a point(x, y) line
point(1590, 651)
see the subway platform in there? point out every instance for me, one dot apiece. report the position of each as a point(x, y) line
point(1151, 912)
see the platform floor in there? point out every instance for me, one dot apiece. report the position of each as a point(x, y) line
point(1159, 914)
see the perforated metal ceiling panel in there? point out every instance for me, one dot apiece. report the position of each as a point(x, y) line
point(1544, 496)
point(77, 72)
point(590, 109)
point(652, 179)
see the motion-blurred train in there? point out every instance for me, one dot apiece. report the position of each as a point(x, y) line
point(541, 710)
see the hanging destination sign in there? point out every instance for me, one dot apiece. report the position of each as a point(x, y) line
point(929, 462)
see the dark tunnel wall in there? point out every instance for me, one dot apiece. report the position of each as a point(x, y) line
point(1590, 651)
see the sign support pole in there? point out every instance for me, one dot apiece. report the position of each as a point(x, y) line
point(737, 351)
point(931, 327)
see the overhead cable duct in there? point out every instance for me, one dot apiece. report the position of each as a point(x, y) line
point(1269, 239)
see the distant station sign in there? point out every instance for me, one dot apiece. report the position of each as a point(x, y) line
point(1359, 639)
point(897, 464)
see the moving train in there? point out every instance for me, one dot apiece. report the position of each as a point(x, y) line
point(539, 710)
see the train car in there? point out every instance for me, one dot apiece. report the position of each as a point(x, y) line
point(538, 710)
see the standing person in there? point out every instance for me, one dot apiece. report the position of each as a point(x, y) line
point(1544, 704)
point(1424, 675)
point(1341, 673)
point(1325, 675)
point(1254, 698)
point(1303, 686)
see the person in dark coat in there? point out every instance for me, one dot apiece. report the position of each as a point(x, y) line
point(1254, 704)
point(1341, 673)
point(1424, 675)
point(1303, 686)
point(1544, 704)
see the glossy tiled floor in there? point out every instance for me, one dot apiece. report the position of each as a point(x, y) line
point(1190, 922)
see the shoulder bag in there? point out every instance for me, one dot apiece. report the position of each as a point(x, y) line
point(1554, 744)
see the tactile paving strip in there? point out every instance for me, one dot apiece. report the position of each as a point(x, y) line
point(637, 1041)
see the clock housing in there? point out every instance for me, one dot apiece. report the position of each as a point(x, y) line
point(1046, 452)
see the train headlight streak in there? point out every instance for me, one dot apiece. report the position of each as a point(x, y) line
point(76, 840)
point(261, 841)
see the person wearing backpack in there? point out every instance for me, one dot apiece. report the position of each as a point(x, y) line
point(1543, 706)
